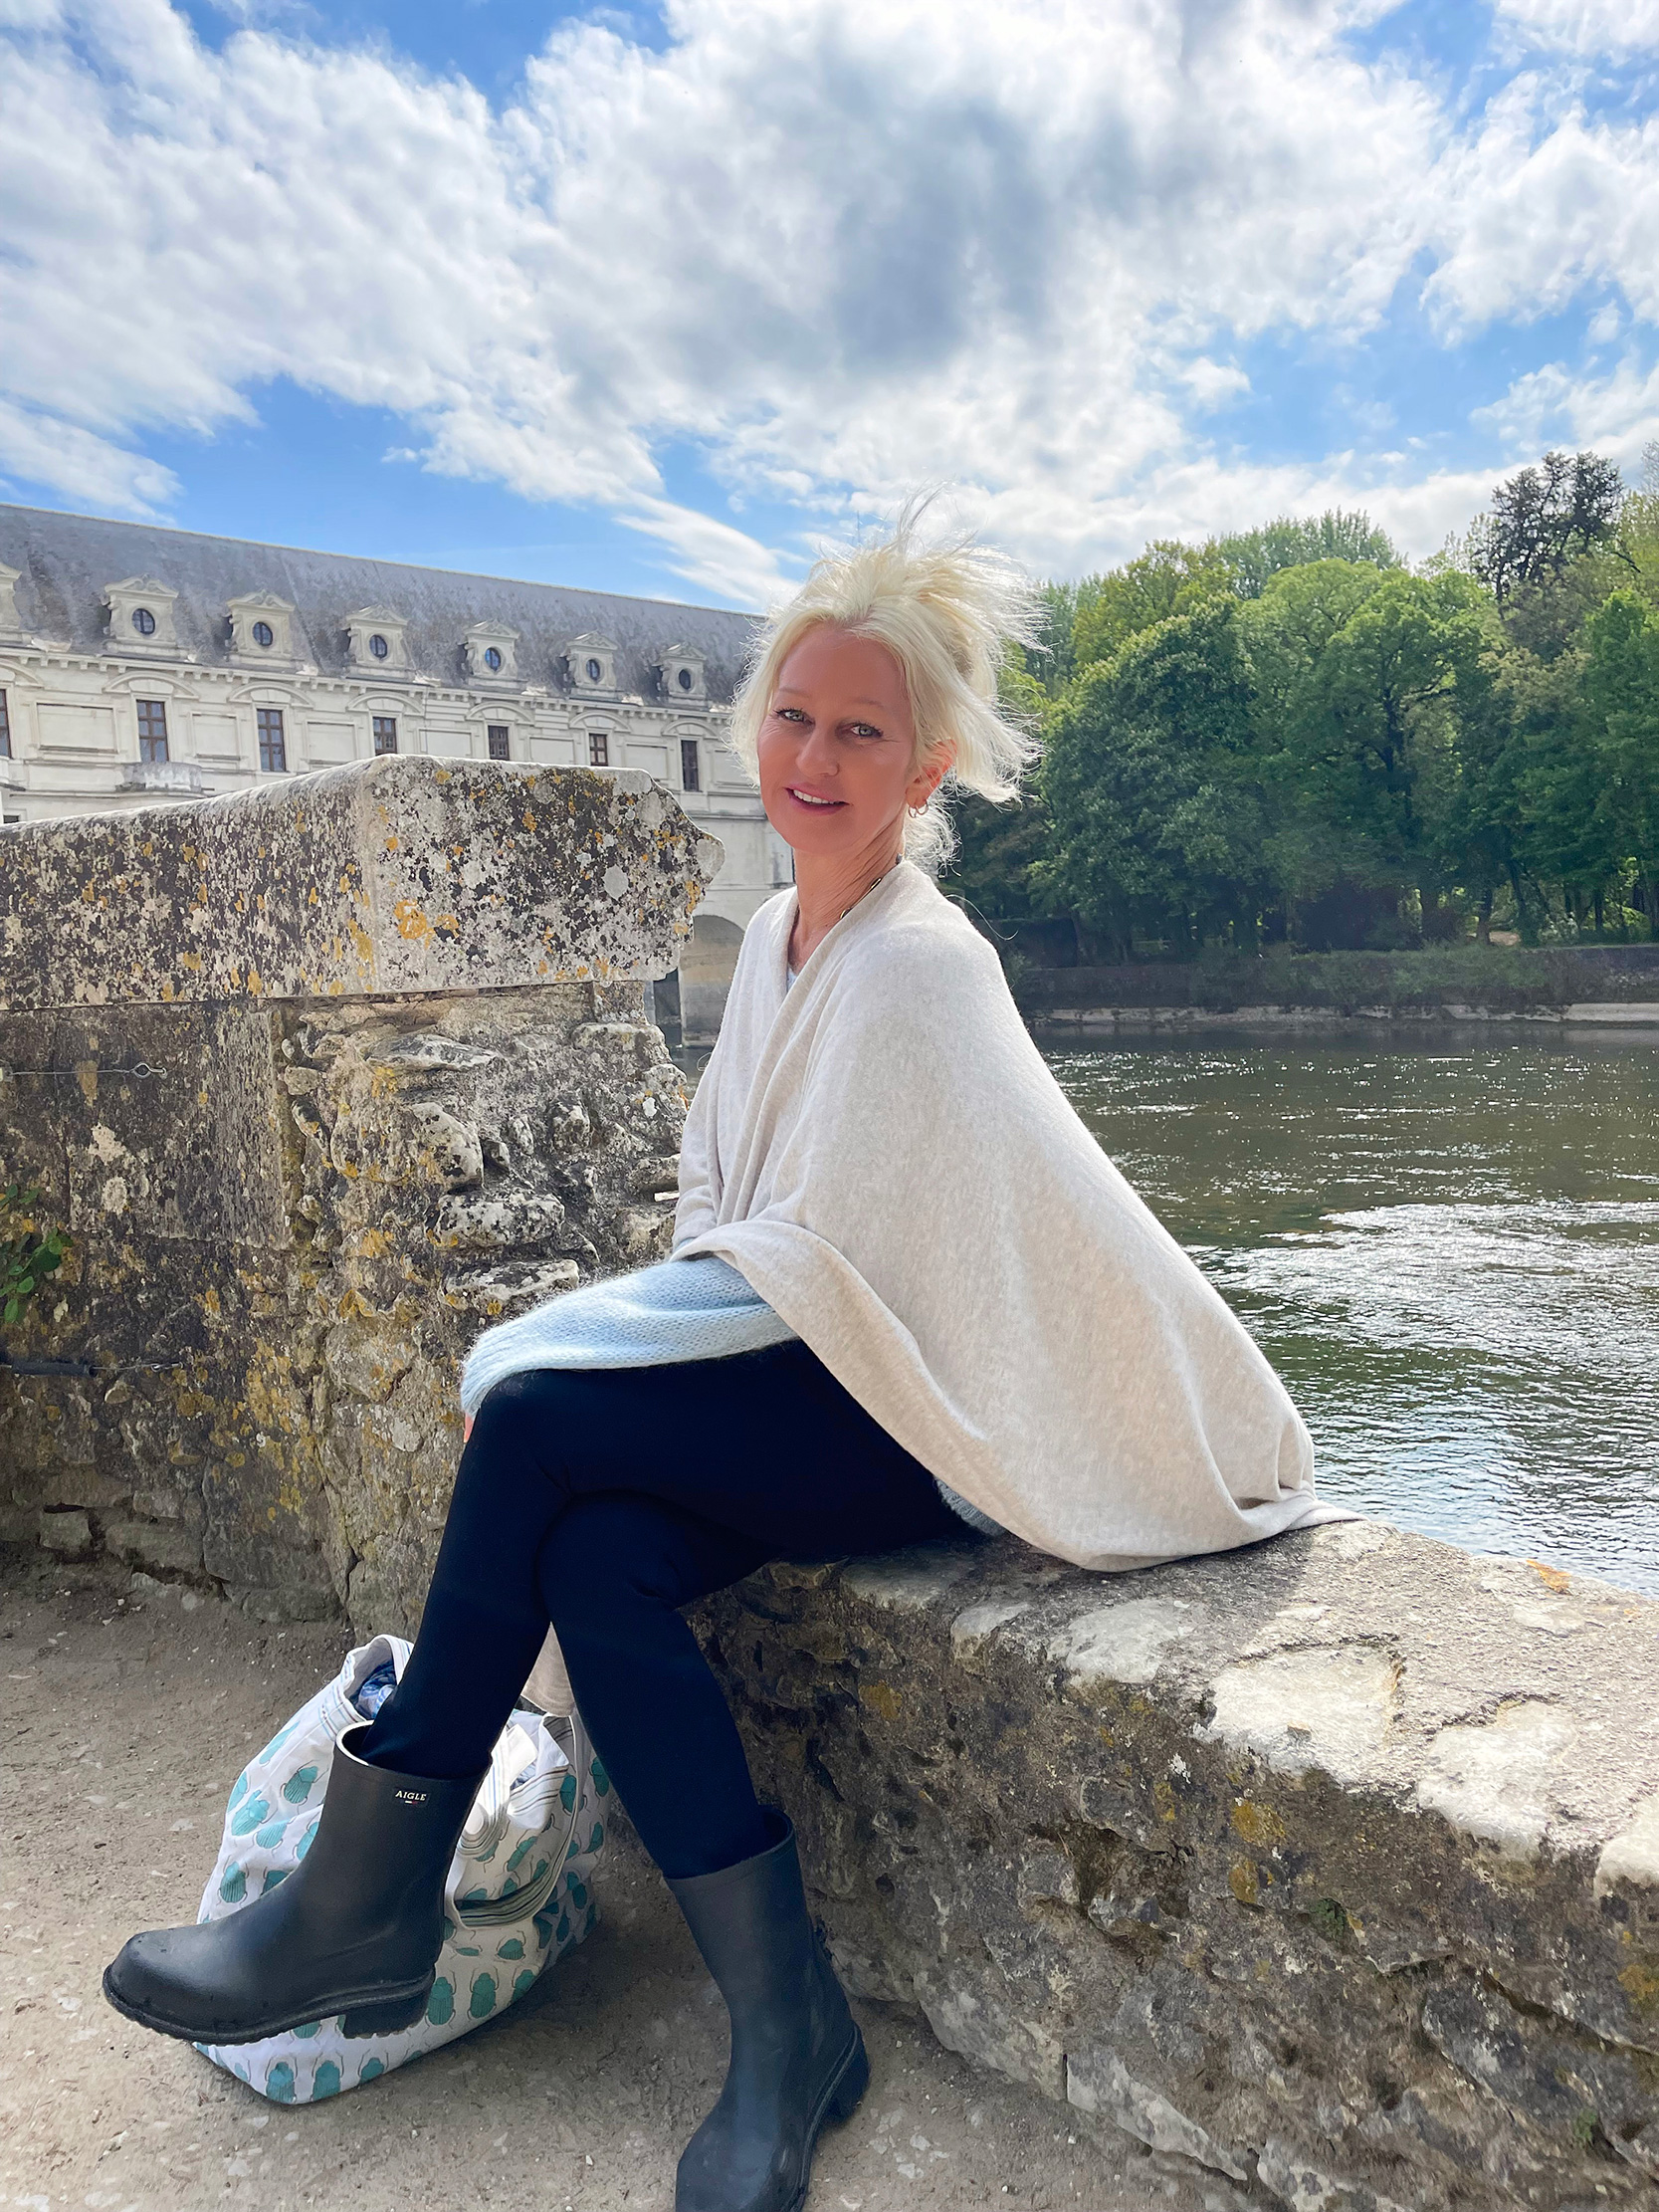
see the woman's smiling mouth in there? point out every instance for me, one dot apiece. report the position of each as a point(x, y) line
point(811, 799)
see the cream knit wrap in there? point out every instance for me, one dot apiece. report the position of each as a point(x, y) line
point(882, 1153)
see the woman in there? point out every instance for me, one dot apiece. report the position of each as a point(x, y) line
point(909, 1293)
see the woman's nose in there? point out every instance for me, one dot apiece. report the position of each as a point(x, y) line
point(817, 754)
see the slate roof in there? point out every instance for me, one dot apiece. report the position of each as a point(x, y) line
point(69, 560)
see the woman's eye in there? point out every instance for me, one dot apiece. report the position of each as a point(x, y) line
point(789, 714)
point(865, 729)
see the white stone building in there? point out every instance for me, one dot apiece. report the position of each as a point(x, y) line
point(140, 664)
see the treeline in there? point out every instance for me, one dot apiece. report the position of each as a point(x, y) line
point(1289, 736)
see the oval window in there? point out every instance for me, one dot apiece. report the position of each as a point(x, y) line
point(683, 679)
point(492, 657)
point(264, 634)
point(594, 672)
point(144, 621)
point(378, 647)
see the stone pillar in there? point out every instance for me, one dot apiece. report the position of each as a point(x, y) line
point(319, 1079)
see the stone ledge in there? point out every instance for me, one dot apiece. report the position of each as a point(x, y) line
point(1332, 1864)
point(388, 877)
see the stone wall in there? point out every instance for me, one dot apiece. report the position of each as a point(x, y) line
point(318, 1078)
point(1332, 1865)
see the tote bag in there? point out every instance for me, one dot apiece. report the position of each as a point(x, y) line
point(517, 1897)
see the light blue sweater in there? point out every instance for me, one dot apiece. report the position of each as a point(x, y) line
point(679, 1309)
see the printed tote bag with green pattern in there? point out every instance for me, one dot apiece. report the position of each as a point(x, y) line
point(518, 1893)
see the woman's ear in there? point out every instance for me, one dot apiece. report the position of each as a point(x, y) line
point(931, 769)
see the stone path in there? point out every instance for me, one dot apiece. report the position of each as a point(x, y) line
point(123, 1723)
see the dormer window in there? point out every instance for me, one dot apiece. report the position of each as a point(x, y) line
point(680, 670)
point(261, 623)
point(375, 636)
point(141, 615)
point(488, 651)
point(591, 660)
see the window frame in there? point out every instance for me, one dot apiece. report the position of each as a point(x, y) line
point(151, 711)
point(273, 741)
point(5, 728)
point(382, 730)
point(691, 758)
point(498, 740)
point(598, 748)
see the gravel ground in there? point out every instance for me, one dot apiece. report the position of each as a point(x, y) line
point(126, 1719)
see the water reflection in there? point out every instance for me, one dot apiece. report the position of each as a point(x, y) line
point(1451, 1255)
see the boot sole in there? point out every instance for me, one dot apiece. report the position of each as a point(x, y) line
point(366, 2012)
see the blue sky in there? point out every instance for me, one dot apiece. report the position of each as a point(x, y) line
point(657, 299)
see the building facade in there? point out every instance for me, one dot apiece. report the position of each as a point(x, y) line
point(140, 664)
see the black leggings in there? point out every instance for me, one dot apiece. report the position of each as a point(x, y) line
point(604, 1500)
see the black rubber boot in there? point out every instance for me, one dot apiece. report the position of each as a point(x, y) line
point(798, 2056)
point(356, 1928)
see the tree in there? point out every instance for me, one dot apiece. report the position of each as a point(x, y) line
point(1168, 579)
point(1053, 659)
point(1360, 675)
point(997, 846)
point(1255, 556)
point(1156, 826)
point(1543, 518)
point(1621, 706)
point(1640, 526)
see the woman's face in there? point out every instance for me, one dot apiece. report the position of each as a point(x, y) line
point(837, 749)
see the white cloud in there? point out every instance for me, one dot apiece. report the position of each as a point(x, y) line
point(43, 449)
point(1616, 414)
point(1585, 27)
point(839, 247)
point(711, 553)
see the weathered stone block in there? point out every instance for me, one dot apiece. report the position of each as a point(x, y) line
point(163, 1547)
point(320, 1080)
point(393, 877)
point(1331, 1865)
point(67, 1535)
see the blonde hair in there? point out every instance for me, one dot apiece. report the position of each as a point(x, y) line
point(946, 610)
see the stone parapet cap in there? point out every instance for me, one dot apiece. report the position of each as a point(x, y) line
point(396, 876)
point(1333, 1863)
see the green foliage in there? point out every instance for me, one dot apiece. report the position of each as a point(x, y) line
point(1621, 690)
point(1255, 556)
point(27, 1255)
point(1285, 736)
point(1156, 818)
point(1167, 580)
point(1545, 517)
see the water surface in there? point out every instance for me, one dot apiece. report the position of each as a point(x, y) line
point(1451, 1254)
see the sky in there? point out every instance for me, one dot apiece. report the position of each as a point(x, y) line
point(664, 299)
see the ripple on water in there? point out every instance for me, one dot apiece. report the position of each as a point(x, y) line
point(1451, 1257)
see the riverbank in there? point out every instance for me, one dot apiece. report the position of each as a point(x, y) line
point(1605, 986)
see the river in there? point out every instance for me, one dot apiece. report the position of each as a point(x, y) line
point(1450, 1253)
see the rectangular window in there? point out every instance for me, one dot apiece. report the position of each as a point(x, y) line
point(598, 750)
point(385, 733)
point(500, 748)
point(691, 771)
point(5, 729)
point(273, 745)
point(152, 729)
